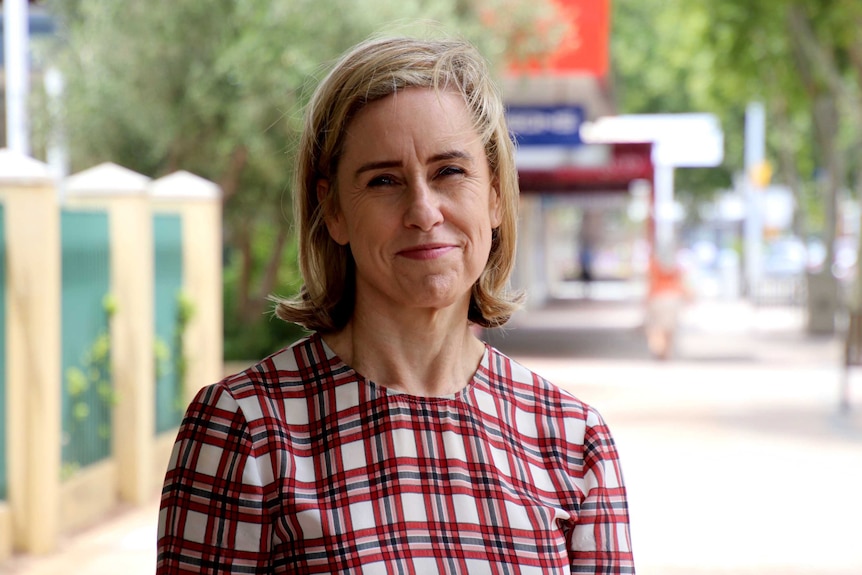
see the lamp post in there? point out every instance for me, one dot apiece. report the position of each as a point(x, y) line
point(17, 65)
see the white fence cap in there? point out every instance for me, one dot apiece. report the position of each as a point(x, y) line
point(19, 168)
point(106, 179)
point(183, 185)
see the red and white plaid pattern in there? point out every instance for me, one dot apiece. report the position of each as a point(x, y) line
point(300, 465)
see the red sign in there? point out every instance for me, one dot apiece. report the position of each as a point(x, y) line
point(584, 47)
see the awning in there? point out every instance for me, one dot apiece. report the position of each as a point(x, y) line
point(624, 164)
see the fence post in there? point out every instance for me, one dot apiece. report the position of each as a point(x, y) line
point(198, 201)
point(33, 353)
point(123, 193)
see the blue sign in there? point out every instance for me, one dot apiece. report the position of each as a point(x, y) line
point(546, 125)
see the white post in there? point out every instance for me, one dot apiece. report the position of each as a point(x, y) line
point(33, 402)
point(123, 193)
point(15, 44)
point(198, 202)
point(664, 213)
point(755, 154)
point(57, 153)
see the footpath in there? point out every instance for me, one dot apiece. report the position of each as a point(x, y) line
point(736, 456)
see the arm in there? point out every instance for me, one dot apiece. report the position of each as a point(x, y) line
point(212, 518)
point(600, 541)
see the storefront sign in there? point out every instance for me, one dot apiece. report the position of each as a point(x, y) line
point(546, 125)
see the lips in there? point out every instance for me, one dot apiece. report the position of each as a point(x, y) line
point(426, 251)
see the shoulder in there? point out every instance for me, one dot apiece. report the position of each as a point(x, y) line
point(528, 387)
point(262, 390)
point(288, 366)
point(539, 402)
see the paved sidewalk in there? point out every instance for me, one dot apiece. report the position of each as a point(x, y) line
point(122, 544)
point(735, 455)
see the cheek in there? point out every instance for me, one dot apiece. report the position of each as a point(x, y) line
point(368, 233)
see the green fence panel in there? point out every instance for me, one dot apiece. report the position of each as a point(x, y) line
point(88, 392)
point(168, 272)
point(4, 480)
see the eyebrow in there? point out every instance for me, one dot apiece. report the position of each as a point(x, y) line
point(447, 155)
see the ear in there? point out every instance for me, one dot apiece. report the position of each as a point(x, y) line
point(332, 215)
point(495, 205)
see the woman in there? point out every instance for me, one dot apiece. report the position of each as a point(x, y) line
point(392, 440)
point(667, 293)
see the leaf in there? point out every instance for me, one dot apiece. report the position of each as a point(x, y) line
point(76, 382)
point(80, 411)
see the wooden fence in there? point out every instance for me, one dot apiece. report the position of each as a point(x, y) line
point(110, 320)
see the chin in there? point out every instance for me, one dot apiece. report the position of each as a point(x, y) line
point(441, 301)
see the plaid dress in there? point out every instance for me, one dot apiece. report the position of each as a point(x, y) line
point(301, 465)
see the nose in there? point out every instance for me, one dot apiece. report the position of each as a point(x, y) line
point(423, 206)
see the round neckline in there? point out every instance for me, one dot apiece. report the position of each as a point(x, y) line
point(483, 363)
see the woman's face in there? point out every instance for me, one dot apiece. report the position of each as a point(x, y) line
point(416, 202)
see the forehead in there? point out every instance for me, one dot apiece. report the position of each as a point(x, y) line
point(423, 115)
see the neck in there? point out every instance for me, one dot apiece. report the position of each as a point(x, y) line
point(431, 358)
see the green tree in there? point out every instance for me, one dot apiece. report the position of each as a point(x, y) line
point(217, 87)
point(797, 54)
point(801, 58)
point(660, 64)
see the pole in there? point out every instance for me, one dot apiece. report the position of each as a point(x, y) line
point(755, 154)
point(665, 240)
point(56, 153)
point(16, 61)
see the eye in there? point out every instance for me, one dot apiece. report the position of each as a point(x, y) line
point(450, 171)
point(381, 180)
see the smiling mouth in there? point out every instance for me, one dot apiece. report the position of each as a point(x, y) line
point(428, 252)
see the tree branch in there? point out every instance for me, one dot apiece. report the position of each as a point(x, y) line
point(816, 62)
point(231, 177)
point(270, 275)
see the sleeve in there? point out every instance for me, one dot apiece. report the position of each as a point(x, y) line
point(600, 542)
point(212, 518)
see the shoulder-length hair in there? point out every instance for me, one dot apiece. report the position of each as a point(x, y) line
point(369, 72)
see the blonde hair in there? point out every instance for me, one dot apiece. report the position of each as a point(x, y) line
point(369, 72)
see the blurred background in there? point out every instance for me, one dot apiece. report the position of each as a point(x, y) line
point(706, 152)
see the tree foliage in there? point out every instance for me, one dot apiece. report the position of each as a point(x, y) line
point(217, 88)
point(660, 64)
point(801, 58)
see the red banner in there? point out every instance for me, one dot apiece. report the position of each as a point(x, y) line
point(584, 47)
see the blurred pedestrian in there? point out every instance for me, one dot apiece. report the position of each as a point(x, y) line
point(667, 294)
point(391, 439)
point(589, 236)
